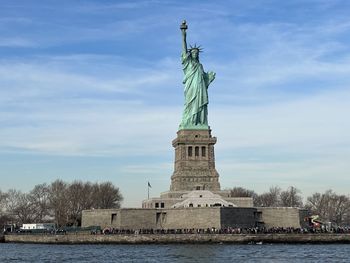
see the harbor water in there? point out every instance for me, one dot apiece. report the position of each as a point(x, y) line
point(10, 252)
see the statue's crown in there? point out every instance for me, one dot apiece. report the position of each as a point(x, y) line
point(199, 48)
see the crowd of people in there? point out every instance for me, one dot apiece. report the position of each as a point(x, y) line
point(230, 230)
point(254, 230)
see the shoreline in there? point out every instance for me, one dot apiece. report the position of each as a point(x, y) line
point(179, 239)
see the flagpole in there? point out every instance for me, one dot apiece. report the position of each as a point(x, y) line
point(148, 187)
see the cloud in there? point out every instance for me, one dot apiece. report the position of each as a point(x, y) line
point(90, 129)
point(304, 142)
point(54, 105)
point(114, 7)
point(107, 83)
point(274, 62)
point(71, 77)
point(17, 42)
point(314, 118)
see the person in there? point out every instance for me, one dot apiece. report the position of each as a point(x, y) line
point(196, 82)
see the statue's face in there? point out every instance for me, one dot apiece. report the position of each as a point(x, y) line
point(194, 53)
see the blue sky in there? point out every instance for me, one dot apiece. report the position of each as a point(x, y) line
point(91, 90)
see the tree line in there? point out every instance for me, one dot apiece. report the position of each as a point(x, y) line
point(62, 203)
point(59, 202)
point(329, 206)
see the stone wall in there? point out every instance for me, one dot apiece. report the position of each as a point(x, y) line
point(238, 217)
point(181, 238)
point(283, 216)
point(98, 217)
point(125, 218)
point(196, 217)
point(137, 219)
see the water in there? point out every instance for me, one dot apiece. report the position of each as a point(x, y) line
point(174, 253)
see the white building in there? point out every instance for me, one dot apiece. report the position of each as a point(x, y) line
point(47, 226)
point(203, 198)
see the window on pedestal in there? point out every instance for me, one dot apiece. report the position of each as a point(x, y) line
point(189, 151)
point(203, 151)
point(196, 151)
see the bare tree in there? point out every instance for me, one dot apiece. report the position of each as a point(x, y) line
point(3, 197)
point(80, 197)
point(59, 201)
point(347, 215)
point(74, 196)
point(19, 206)
point(12, 200)
point(270, 198)
point(107, 196)
point(4, 216)
point(291, 197)
point(39, 198)
point(241, 192)
point(25, 209)
point(88, 193)
point(329, 206)
point(341, 209)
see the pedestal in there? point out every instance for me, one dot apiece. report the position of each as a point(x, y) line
point(194, 167)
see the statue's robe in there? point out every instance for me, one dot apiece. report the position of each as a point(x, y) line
point(196, 82)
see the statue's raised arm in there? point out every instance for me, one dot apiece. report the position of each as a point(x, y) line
point(196, 82)
point(183, 28)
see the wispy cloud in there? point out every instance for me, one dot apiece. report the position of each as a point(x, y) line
point(70, 78)
point(17, 42)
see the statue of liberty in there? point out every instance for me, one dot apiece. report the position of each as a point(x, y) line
point(196, 83)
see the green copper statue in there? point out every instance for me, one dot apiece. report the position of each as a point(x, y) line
point(196, 82)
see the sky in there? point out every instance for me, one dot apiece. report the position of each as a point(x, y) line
point(92, 91)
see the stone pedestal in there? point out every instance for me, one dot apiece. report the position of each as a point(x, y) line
point(194, 162)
